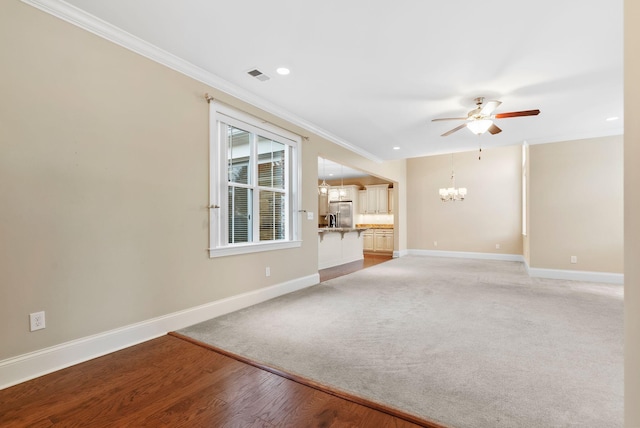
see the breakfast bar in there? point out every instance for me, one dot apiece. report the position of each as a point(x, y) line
point(339, 245)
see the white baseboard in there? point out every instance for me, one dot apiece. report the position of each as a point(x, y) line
point(468, 255)
point(576, 275)
point(400, 253)
point(34, 364)
point(573, 275)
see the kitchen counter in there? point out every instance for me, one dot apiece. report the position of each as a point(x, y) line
point(375, 226)
point(342, 230)
point(339, 245)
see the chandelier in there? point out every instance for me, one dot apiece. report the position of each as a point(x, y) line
point(452, 193)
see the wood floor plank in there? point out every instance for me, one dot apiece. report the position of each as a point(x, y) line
point(47, 390)
point(174, 383)
point(152, 395)
point(133, 393)
point(204, 399)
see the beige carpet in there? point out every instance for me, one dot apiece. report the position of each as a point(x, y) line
point(466, 343)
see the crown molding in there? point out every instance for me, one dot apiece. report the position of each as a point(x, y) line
point(76, 16)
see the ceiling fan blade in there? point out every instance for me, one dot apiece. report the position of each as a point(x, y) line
point(448, 118)
point(489, 107)
point(517, 114)
point(493, 129)
point(457, 128)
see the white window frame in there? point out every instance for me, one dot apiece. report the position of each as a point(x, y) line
point(219, 115)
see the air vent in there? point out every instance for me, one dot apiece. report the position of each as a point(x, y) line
point(258, 75)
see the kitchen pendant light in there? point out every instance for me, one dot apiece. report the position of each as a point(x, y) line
point(323, 188)
point(342, 192)
point(451, 193)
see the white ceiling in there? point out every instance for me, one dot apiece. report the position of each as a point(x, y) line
point(372, 74)
point(329, 170)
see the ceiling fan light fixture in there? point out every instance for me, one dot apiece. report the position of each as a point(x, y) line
point(479, 126)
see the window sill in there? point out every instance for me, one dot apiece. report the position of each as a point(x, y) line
point(252, 248)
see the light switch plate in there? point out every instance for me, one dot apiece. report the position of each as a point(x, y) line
point(309, 215)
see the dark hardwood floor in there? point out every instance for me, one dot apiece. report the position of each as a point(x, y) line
point(174, 383)
point(369, 260)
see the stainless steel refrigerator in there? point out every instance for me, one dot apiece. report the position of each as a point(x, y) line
point(343, 211)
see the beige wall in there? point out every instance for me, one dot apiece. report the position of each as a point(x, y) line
point(576, 205)
point(632, 214)
point(526, 245)
point(491, 214)
point(104, 184)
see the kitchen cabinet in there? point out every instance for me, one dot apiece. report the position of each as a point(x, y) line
point(367, 241)
point(362, 201)
point(383, 241)
point(376, 201)
point(378, 241)
point(349, 193)
point(334, 194)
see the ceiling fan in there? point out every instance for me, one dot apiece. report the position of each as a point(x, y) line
point(480, 119)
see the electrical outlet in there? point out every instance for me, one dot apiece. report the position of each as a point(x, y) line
point(36, 321)
point(267, 271)
point(497, 246)
point(435, 243)
point(574, 259)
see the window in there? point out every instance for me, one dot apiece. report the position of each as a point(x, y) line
point(254, 184)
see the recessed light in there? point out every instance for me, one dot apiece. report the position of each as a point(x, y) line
point(330, 174)
point(396, 148)
point(283, 71)
point(612, 118)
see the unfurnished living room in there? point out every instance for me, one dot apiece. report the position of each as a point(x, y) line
point(340, 214)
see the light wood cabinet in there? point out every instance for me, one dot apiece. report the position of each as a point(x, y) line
point(334, 194)
point(367, 241)
point(362, 201)
point(376, 201)
point(385, 243)
point(349, 193)
point(378, 241)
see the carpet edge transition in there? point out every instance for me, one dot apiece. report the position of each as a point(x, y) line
point(389, 410)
